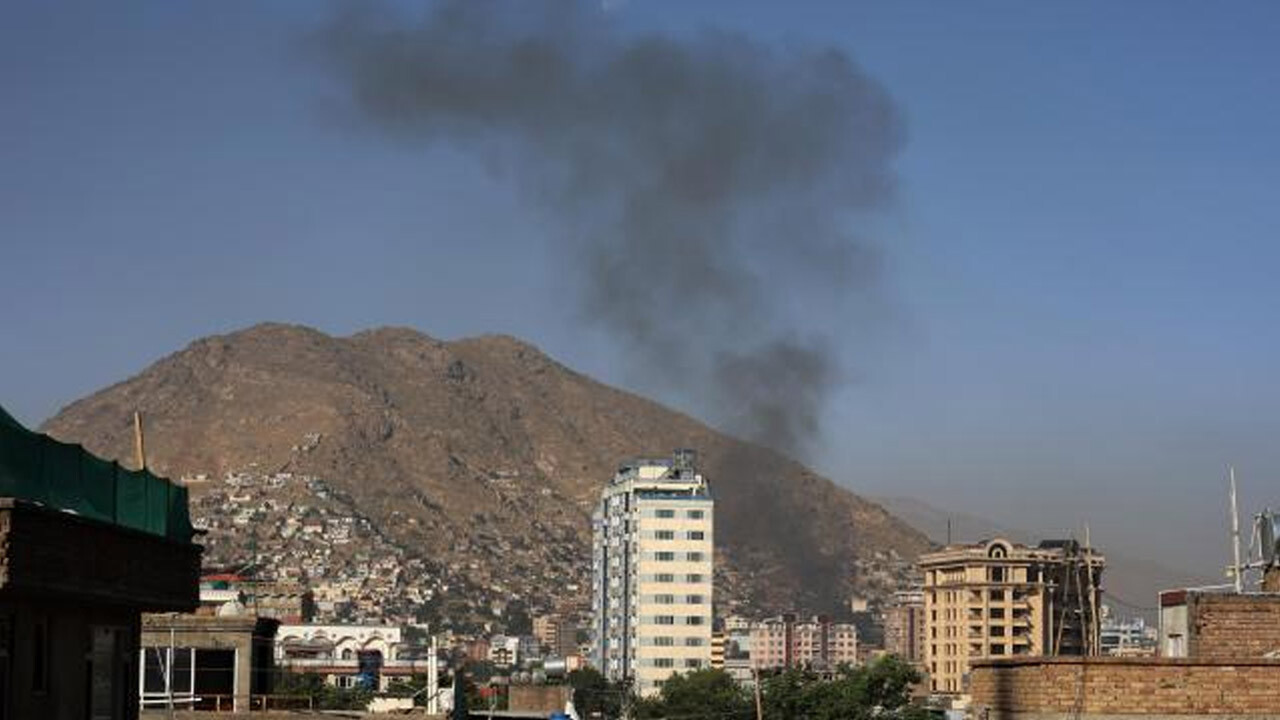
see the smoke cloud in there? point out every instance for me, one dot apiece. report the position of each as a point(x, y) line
point(706, 190)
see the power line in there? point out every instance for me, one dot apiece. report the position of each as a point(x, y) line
point(1110, 596)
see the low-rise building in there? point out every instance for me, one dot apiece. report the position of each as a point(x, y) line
point(1215, 623)
point(1126, 638)
point(85, 548)
point(353, 655)
point(504, 650)
point(815, 643)
point(557, 633)
point(201, 661)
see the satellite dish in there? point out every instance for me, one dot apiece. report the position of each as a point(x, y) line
point(1269, 535)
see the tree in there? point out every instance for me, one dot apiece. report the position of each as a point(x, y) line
point(887, 685)
point(879, 690)
point(788, 694)
point(594, 694)
point(699, 695)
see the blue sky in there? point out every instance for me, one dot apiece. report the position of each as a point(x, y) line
point(1077, 322)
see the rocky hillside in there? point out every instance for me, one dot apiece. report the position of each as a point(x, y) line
point(485, 457)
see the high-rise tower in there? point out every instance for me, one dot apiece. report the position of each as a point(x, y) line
point(652, 576)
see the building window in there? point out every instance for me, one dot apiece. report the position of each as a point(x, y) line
point(695, 514)
point(665, 620)
point(692, 663)
point(664, 662)
point(665, 513)
point(693, 642)
point(693, 577)
point(695, 557)
point(664, 599)
point(697, 535)
point(664, 641)
point(693, 620)
point(665, 556)
point(665, 535)
point(997, 574)
point(693, 599)
point(665, 577)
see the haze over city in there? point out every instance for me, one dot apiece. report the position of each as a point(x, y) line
point(1066, 320)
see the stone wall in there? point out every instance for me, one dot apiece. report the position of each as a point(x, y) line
point(1115, 688)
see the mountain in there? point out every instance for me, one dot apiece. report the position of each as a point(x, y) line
point(481, 457)
point(1131, 584)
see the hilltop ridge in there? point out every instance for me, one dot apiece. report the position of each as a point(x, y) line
point(474, 453)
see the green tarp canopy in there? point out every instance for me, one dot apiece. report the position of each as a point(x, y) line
point(35, 467)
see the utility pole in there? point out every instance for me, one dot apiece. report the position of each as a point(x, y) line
point(755, 675)
point(168, 675)
point(1095, 625)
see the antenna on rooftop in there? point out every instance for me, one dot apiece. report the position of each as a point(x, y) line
point(1267, 525)
point(1237, 572)
point(139, 447)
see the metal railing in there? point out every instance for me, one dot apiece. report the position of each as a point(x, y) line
point(227, 702)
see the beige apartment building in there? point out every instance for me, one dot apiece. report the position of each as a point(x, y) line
point(652, 574)
point(998, 598)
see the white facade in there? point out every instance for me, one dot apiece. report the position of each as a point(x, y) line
point(652, 579)
point(344, 642)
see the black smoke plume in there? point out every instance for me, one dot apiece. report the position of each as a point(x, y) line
point(706, 189)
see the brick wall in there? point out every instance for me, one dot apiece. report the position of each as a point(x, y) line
point(45, 552)
point(538, 698)
point(1225, 625)
point(1032, 688)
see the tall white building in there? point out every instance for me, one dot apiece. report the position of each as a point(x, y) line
point(651, 585)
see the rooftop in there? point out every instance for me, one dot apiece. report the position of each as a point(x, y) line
point(1000, 550)
point(37, 468)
